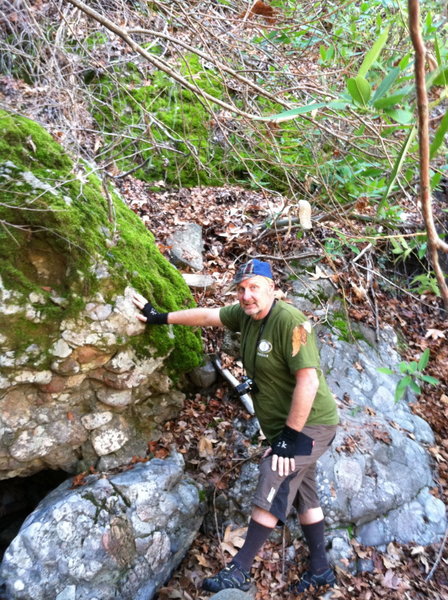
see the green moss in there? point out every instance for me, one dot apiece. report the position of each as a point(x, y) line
point(343, 328)
point(180, 114)
point(49, 211)
point(144, 267)
point(176, 136)
point(24, 142)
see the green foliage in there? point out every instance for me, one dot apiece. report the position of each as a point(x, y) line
point(359, 90)
point(439, 136)
point(183, 143)
point(403, 248)
point(160, 131)
point(382, 89)
point(398, 165)
point(411, 374)
point(175, 140)
point(425, 283)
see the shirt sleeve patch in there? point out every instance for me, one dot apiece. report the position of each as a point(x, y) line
point(300, 336)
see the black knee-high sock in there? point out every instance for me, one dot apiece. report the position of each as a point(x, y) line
point(314, 535)
point(256, 536)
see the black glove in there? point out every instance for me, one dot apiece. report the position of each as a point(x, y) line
point(292, 443)
point(154, 317)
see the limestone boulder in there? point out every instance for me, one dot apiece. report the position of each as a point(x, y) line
point(117, 535)
point(83, 382)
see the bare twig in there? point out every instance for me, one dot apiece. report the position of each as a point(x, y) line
point(159, 64)
point(216, 63)
point(398, 287)
point(438, 557)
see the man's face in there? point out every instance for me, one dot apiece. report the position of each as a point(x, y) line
point(255, 296)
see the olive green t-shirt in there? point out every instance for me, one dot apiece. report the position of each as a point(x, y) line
point(272, 350)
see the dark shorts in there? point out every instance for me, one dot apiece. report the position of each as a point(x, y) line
point(277, 494)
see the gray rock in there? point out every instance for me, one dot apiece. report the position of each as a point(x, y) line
point(61, 349)
point(197, 281)
point(204, 376)
point(57, 418)
point(95, 420)
point(122, 533)
point(373, 534)
point(187, 246)
point(233, 595)
point(109, 438)
point(341, 552)
point(312, 294)
point(114, 398)
point(97, 311)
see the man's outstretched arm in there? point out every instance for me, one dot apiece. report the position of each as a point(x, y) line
point(193, 317)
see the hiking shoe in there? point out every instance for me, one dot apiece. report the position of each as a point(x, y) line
point(231, 576)
point(309, 580)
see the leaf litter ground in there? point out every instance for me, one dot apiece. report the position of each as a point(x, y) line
point(234, 222)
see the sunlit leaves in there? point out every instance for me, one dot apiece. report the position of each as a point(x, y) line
point(411, 375)
point(373, 53)
point(359, 89)
point(439, 136)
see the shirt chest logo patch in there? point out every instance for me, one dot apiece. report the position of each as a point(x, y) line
point(264, 347)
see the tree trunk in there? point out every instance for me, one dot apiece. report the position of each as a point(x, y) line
point(435, 243)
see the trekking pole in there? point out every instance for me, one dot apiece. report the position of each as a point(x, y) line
point(245, 398)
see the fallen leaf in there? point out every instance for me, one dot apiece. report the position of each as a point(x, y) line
point(392, 558)
point(262, 9)
point(436, 454)
point(205, 447)
point(382, 436)
point(418, 550)
point(434, 334)
point(232, 540)
point(160, 453)
point(360, 291)
point(392, 581)
point(203, 560)
point(360, 553)
point(319, 274)
point(79, 480)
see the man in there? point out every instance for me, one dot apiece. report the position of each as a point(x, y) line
point(296, 411)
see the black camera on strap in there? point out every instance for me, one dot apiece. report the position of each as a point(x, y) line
point(247, 386)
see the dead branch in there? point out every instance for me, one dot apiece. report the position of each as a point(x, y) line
point(159, 64)
point(213, 60)
point(438, 558)
point(435, 243)
point(402, 290)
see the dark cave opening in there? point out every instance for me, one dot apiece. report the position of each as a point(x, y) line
point(19, 496)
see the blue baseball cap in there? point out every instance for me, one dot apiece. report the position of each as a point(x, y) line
point(250, 269)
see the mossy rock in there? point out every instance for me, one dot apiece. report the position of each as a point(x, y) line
point(171, 133)
point(60, 227)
